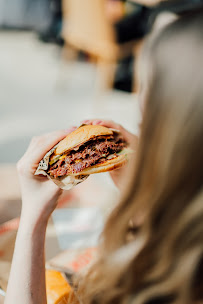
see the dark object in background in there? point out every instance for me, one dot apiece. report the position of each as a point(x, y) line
point(179, 7)
point(42, 16)
point(134, 26)
point(124, 75)
point(25, 14)
point(53, 32)
point(137, 25)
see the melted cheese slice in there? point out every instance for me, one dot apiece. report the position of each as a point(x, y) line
point(55, 158)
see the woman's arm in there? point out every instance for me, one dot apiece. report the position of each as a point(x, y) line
point(39, 198)
point(27, 278)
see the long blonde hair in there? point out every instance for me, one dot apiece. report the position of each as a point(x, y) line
point(163, 263)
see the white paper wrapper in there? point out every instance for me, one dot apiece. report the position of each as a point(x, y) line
point(67, 182)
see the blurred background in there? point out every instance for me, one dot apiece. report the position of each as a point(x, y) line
point(63, 61)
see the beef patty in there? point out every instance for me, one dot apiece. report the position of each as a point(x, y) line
point(91, 153)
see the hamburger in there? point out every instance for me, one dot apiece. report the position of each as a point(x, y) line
point(88, 150)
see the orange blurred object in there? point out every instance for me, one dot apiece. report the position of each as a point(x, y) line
point(57, 287)
point(115, 10)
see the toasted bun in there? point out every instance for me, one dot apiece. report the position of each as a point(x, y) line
point(108, 165)
point(80, 136)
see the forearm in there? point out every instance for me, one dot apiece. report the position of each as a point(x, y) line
point(27, 278)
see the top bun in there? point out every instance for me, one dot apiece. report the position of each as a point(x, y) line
point(80, 136)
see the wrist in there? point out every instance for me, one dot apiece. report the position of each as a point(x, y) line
point(33, 222)
point(37, 210)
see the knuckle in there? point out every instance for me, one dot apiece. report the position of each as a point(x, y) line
point(34, 139)
point(38, 139)
point(113, 123)
point(117, 125)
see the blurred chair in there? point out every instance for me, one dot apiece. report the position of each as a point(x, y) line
point(87, 28)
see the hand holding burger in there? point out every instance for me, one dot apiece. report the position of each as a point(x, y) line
point(130, 138)
point(77, 154)
point(88, 150)
point(39, 195)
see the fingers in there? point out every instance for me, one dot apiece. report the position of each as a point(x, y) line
point(91, 121)
point(40, 145)
point(102, 122)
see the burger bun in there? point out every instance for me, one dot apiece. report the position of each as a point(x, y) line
point(80, 136)
point(108, 165)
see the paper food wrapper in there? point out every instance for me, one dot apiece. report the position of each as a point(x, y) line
point(65, 183)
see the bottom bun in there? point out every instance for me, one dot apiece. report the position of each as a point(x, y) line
point(108, 165)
